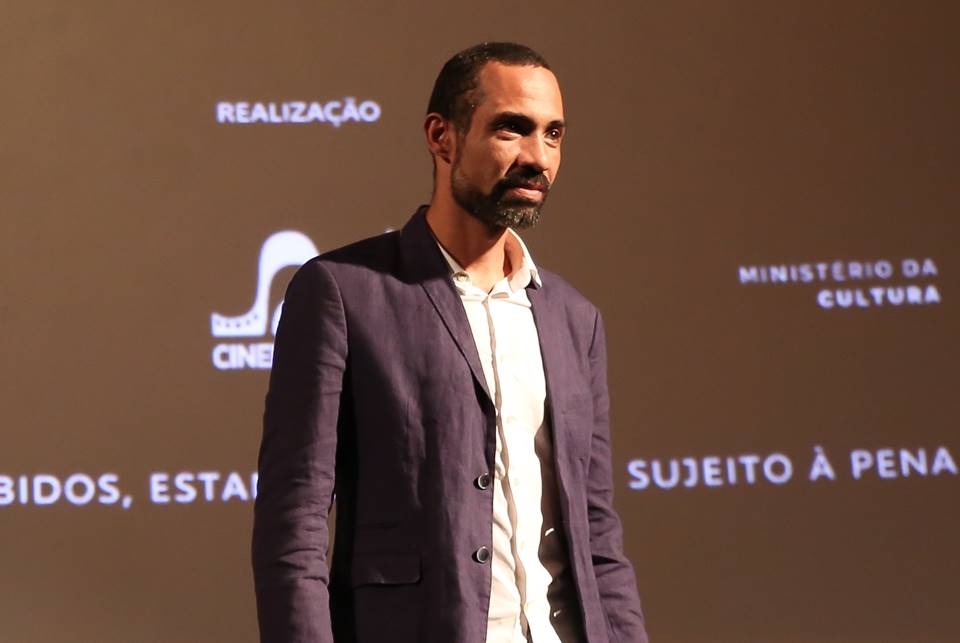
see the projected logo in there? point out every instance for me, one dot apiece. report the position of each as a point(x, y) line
point(281, 250)
point(855, 284)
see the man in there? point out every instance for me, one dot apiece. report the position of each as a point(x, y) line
point(453, 397)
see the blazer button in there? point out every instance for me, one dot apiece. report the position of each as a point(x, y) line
point(482, 481)
point(482, 555)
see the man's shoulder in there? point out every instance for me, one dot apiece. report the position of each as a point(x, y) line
point(377, 251)
point(366, 258)
point(561, 290)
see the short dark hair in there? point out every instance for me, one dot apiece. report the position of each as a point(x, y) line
point(456, 92)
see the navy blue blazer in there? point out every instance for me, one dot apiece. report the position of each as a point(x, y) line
point(377, 397)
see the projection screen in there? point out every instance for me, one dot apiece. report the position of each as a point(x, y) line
point(760, 198)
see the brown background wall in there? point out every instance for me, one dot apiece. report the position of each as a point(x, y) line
point(704, 136)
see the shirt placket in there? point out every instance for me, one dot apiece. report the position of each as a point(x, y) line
point(503, 447)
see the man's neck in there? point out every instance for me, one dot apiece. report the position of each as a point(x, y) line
point(475, 246)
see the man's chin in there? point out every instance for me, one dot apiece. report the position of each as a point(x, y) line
point(518, 214)
point(512, 212)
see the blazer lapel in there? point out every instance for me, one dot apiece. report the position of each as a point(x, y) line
point(558, 368)
point(425, 264)
point(548, 324)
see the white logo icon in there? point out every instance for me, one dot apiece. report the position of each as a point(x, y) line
point(280, 250)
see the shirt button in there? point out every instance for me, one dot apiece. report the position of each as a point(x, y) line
point(482, 555)
point(482, 481)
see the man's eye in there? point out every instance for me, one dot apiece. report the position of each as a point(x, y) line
point(554, 134)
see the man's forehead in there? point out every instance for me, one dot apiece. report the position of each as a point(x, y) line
point(520, 86)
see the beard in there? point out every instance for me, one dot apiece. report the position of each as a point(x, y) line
point(496, 209)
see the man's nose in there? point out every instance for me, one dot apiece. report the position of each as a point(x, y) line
point(534, 153)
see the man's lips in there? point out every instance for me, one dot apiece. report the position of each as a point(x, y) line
point(534, 193)
point(532, 189)
point(540, 184)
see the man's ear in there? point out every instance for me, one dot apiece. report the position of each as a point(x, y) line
point(440, 136)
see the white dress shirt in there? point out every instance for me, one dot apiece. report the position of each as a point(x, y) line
point(531, 587)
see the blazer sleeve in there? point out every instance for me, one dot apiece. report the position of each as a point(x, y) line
point(614, 574)
point(296, 463)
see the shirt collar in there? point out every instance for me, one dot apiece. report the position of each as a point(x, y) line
point(523, 271)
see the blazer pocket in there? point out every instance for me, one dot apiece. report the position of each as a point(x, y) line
point(385, 568)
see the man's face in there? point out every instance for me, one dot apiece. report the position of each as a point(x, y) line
point(506, 162)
